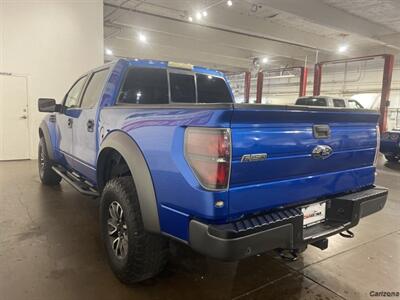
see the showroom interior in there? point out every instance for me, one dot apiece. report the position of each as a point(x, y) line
point(272, 53)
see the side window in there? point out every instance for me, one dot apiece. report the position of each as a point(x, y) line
point(72, 98)
point(338, 103)
point(212, 89)
point(145, 86)
point(94, 88)
point(182, 88)
point(311, 101)
point(352, 104)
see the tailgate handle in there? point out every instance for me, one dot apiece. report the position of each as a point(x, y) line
point(321, 131)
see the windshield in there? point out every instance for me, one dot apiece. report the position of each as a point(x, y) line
point(354, 104)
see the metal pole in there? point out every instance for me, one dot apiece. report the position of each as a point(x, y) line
point(386, 86)
point(260, 82)
point(317, 79)
point(303, 81)
point(247, 82)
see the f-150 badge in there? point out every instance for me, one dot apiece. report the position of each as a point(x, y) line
point(253, 157)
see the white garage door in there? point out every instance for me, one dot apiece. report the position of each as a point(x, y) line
point(14, 131)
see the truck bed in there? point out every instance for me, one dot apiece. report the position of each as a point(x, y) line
point(290, 174)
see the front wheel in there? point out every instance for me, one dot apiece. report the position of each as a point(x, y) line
point(46, 173)
point(391, 158)
point(134, 254)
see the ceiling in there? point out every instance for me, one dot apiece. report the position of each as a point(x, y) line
point(287, 32)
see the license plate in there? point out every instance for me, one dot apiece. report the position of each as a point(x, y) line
point(313, 213)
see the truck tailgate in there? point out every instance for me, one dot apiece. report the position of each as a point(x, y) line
point(290, 174)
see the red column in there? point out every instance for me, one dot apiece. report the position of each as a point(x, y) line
point(260, 82)
point(247, 82)
point(385, 94)
point(303, 81)
point(317, 79)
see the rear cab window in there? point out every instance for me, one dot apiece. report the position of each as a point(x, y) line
point(145, 86)
point(183, 88)
point(161, 86)
point(212, 89)
point(312, 101)
point(339, 103)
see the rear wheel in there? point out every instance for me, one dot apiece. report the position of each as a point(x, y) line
point(46, 173)
point(134, 254)
point(391, 158)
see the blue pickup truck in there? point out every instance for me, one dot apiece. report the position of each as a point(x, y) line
point(171, 156)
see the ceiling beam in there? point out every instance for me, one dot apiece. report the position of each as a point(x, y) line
point(122, 47)
point(318, 12)
point(191, 44)
point(251, 25)
point(211, 34)
point(392, 39)
point(128, 48)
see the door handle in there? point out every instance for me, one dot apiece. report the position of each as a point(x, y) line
point(24, 117)
point(90, 125)
point(70, 122)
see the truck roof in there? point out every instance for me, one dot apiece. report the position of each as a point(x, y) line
point(316, 97)
point(151, 63)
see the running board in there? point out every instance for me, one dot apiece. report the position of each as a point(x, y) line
point(80, 184)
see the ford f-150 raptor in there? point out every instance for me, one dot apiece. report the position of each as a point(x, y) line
point(171, 155)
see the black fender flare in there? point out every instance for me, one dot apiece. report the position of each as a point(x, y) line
point(130, 151)
point(46, 134)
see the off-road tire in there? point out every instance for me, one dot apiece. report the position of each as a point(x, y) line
point(46, 173)
point(147, 253)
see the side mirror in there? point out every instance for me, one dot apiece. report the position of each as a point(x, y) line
point(49, 105)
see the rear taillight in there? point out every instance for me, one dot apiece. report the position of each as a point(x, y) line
point(378, 144)
point(208, 152)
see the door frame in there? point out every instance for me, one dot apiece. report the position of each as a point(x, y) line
point(28, 112)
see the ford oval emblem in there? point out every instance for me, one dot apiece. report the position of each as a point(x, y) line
point(322, 152)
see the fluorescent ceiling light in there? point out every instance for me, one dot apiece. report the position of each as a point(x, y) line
point(343, 48)
point(142, 38)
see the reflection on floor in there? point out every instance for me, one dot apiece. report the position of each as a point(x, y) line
point(50, 249)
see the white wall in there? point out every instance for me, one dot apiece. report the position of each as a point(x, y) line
point(52, 42)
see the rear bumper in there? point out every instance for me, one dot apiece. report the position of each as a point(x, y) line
point(283, 229)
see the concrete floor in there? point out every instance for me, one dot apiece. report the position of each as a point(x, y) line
point(50, 249)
